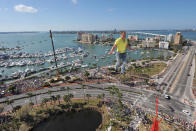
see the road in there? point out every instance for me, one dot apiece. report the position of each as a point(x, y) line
point(132, 96)
point(183, 85)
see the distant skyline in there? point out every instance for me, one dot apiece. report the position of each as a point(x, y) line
point(72, 15)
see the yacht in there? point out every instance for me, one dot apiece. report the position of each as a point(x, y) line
point(84, 66)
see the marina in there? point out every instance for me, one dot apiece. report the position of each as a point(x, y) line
point(36, 54)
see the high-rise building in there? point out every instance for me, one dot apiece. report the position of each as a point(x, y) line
point(170, 38)
point(79, 36)
point(178, 38)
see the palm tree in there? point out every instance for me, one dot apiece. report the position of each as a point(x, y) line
point(99, 97)
point(83, 87)
point(66, 98)
point(68, 89)
point(103, 97)
point(49, 93)
point(9, 102)
point(36, 98)
point(44, 101)
point(71, 96)
point(29, 95)
point(88, 96)
point(53, 98)
point(58, 98)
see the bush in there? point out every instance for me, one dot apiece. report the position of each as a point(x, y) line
point(52, 81)
point(46, 84)
point(23, 113)
point(67, 78)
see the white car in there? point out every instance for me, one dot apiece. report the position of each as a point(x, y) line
point(167, 97)
point(186, 112)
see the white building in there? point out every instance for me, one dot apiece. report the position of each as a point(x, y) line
point(164, 45)
point(170, 38)
point(148, 43)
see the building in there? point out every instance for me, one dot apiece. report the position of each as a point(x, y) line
point(86, 38)
point(170, 38)
point(178, 38)
point(79, 36)
point(148, 43)
point(164, 45)
point(104, 37)
point(133, 38)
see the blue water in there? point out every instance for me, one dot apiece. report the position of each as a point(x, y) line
point(40, 42)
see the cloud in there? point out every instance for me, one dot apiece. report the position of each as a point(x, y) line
point(111, 9)
point(24, 8)
point(75, 1)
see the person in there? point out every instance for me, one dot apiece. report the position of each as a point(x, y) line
point(121, 44)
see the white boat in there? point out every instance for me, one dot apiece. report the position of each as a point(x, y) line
point(84, 66)
point(80, 50)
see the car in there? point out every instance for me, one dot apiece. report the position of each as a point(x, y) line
point(3, 92)
point(62, 88)
point(167, 97)
point(186, 112)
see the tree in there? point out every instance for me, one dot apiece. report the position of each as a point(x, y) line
point(68, 89)
point(29, 95)
point(66, 98)
point(44, 101)
point(83, 87)
point(9, 102)
point(58, 98)
point(88, 96)
point(53, 98)
point(67, 78)
point(99, 97)
point(86, 75)
point(12, 89)
point(49, 92)
point(103, 97)
point(36, 98)
point(71, 96)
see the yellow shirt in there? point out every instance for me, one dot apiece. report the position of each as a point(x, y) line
point(121, 45)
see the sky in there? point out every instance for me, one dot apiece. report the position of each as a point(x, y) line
point(68, 15)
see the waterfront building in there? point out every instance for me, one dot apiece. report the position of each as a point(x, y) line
point(79, 36)
point(104, 37)
point(178, 38)
point(86, 38)
point(148, 43)
point(133, 38)
point(163, 45)
point(170, 38)
point(111, 36)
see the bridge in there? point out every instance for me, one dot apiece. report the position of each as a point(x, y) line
point(150, 34)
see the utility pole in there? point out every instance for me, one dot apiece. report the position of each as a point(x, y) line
point(54, 51)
